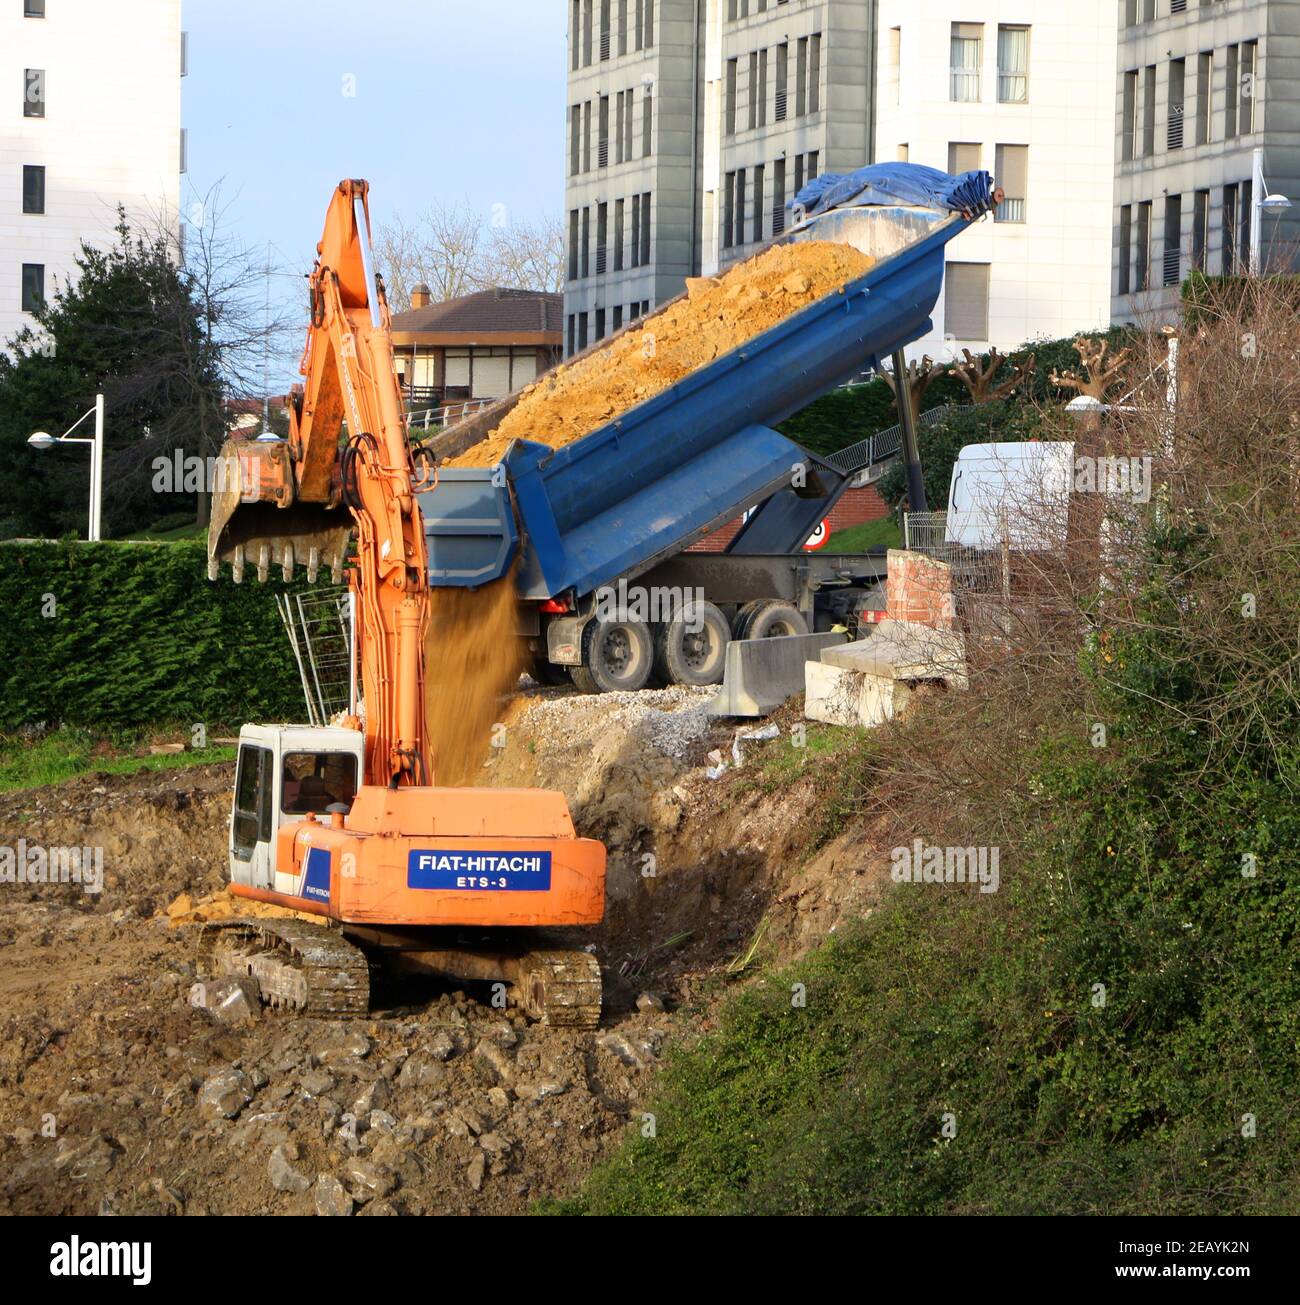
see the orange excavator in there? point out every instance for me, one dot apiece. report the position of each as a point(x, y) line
point(345, 821)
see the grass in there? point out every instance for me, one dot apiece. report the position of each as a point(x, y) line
point(871, 534)
point(67, 752)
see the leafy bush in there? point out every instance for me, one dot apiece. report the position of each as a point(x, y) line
point(120, 634)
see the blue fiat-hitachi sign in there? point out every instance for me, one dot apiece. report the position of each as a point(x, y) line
point(511, 872)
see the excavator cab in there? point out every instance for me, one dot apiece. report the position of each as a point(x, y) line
point(286, 774)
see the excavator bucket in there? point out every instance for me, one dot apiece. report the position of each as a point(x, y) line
point(255, 521)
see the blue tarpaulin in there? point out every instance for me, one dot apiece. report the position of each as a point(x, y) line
point(898, 183)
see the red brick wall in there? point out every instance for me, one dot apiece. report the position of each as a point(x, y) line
point(919, 589)
point(855, 508)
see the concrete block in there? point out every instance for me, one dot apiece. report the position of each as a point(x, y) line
point(904, 650)
point(836, 696)
point(761, 674)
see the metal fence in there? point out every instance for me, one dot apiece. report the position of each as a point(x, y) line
point(320, 629)
point(432, 418)
point(871, 453)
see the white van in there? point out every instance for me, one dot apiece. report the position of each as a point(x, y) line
point(1020, 490)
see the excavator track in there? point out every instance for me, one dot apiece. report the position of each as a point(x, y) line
point(561, 989)
point(298, 966)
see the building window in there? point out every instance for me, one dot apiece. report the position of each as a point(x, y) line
point(586, 32)
point(1173, 250)
point(630, 98)
point(967, 46)
point(1249, 84)
point(636, 231)
point(573, 247)
point(1011, 163)
point(739, 237)
point(33, 188)
point(730, 117)
point(602, 139)
point(1229, 236)
point(801, 78)
point(778, 197)
point(728, 208)
point(575, 48)
point(1142, 248)
point(618, 234)
point(185, 149)
point(33, 8)
point(963, 156)
point(814, 157)
point(649, 24)
point(586, 242)
point(622, 27)
point(619, 124)
point(1149, 111)
point(815, 73)
point(782, 78)
point(1013, 65)
point(966, 301)
point(1204, 97)
point(604, 30)
point(904, 152)
point(1177, 82)
point(33, 286)
point(1128, 143)
point(1200, 228)
point(759, 199)
point(647, 123)
point(798, 174)
point(582, 331)
point(600, 323)
point(896, 64)
point(572, 334)
point(1232, 88)
point(34, 93)
point(761, 94)
point(586, 137)
point(602, 238)
point(645, 229)
point(1125, 251)
point(618, 318)
point(1245, 216)
point(640, 24)
point(753, 90)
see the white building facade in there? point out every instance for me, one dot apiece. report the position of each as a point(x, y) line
point(1025, 91)
point(90, 118)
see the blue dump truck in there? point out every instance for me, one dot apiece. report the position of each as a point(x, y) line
point(597, 531)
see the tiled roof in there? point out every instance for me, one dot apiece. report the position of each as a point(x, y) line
point(489, 312)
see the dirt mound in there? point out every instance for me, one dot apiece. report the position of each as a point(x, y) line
point(717, 315)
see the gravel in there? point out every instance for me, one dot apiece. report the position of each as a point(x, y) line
point(669, 720)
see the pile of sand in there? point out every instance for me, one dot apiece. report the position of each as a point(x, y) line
point(717, 315)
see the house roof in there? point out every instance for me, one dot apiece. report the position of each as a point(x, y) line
point(503, 315)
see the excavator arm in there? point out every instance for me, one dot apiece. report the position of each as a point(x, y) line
point(346, 466)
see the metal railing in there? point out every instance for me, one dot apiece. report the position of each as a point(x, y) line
point(869, 454)
point(430, 418)
point(319, 624)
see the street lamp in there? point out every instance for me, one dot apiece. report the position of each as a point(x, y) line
point(42, 440)
point(1261, 202)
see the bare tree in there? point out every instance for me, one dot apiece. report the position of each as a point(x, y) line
point(977, 376)
point(1101, 368)
point(454, 250)
point(919, 376)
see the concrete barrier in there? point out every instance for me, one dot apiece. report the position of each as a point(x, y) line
point(762, 673)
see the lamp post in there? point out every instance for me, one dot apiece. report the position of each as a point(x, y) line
point(1261, 202)
point(43, 440)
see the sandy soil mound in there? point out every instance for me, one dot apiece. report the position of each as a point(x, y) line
point(718, 315)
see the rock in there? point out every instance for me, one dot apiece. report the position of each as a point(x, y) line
point(499, 1099)
point(373, 1178)
point(797, 283)
point(474, 1171)
point(284, 1177)
point(352, 1045)
point(492, 1064)
point(420, 1071)
point(376, 1096)
point(502, 1034)
point(540, 1089)
point(381, 1120)
point(224, 1094)
point(230, 1000)
point(23, 1136)
point(377, 1208)
point(315, 1083)
point(495, 1144)
point(648, 1001)
point(331, 1197)
point(637, 1053)
point(92, 1159)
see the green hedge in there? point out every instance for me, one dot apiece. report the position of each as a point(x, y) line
point(138, 636)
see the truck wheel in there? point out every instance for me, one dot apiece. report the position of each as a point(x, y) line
point(547, 672)
point(692, 647)
point(769, 619)
point(617, 657)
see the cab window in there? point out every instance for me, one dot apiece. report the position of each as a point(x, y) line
point(315, 781)
point(252, 822)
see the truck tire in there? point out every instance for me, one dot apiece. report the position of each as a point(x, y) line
point(617, 656)
point(695, 657)
point(769, 618)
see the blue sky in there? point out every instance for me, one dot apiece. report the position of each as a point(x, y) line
point(454, 99)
